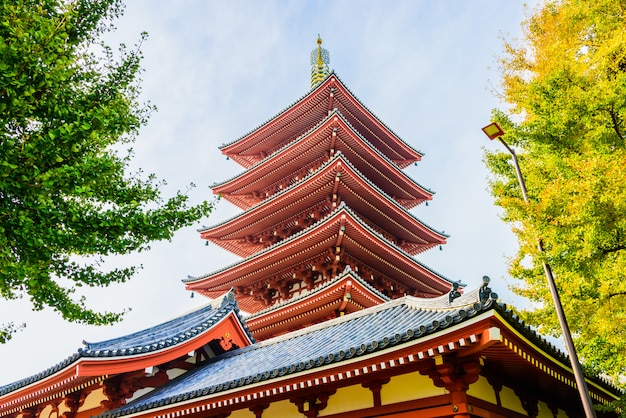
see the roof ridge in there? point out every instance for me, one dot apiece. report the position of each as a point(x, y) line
point(342, 206)
point(302, 97)
point(306, 293)
point(295, 141)
point(338, 155)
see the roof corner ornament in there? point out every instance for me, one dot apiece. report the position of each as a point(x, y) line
point(454, 293)
point(484, 293)
point(320, 58)
point(229, 297)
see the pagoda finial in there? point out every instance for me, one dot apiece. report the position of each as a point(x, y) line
point(319, 63)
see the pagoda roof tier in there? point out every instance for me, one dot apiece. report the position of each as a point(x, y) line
point(305, 113)
point(300, 204)
point(344, 294)
point(153, 346)
point(340, 237)
point(397, 337)
point(307, 153)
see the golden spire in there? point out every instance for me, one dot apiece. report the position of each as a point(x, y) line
point(319, 63)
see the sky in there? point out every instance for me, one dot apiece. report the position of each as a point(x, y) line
point(218, 69)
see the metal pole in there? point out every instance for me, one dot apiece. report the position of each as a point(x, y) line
point(569, 343)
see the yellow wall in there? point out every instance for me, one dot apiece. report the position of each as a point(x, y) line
point(407, 387)
point(348, 399)
point(282, 409)
point(242, 413)
point(47, 412)
point(544, 411)
point(93, 400)
point(483, 390)
point(511, 401)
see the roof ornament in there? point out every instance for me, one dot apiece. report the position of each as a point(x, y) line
point(484, 293)
point(320, 58)
point(455, 292)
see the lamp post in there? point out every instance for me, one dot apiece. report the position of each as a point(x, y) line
point(494, 131)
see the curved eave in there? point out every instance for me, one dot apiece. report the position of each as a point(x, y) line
point(338, 177)
point(228, 325)
point(400, 147)
point(347, 292)
point(59, 383)
point(340, 228)
point(394, 337)
point(149, 347)
point(256, 374)
point(308, 111)
point(334, 135)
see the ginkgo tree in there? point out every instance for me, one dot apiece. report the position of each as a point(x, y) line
point(564, 86)
point(68, 105)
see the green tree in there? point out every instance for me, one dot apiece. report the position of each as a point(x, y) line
point(67, 103)
point(564, 84)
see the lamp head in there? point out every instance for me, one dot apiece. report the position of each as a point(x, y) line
point(493, 130)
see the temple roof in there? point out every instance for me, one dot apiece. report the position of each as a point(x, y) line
point(421, 328)
point(166, 334)
point(342, 228)
point(294, 206)
point(306, 153)
point(306, 112)
point(157, 344)
point(346, 293)
point(335, 341)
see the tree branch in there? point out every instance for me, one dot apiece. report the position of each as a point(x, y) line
point(616, 123)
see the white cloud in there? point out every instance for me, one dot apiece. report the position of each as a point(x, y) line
point(218, 69)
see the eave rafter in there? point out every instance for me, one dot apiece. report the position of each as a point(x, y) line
point(305, 113)
point(343, 239)
point(392, 358)
point(344, 294)
point(310, 199)
point(308, 154)
point(47, 391)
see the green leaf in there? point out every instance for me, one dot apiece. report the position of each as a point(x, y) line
point(64, 192)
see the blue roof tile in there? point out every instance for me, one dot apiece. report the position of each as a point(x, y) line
point(166, 334)
point(160, 336)
point(334, 341)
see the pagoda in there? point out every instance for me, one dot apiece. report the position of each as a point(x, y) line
point(322, 193)
point(328, 313)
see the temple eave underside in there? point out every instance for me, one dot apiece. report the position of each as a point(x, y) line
point(306, 114)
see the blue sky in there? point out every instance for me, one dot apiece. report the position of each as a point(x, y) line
point(218, 69)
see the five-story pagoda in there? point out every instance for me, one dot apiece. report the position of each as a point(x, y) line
point(325, 228)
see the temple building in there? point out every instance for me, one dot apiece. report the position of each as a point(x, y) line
point(328, 313)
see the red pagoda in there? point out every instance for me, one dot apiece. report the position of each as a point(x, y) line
point(341, 320)
point(323, 191)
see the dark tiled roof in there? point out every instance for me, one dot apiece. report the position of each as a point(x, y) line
point(41, 375)
point(158, 337)
point(334, 341)
point(166, 334)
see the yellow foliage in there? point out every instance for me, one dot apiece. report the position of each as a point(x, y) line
point(566, 84)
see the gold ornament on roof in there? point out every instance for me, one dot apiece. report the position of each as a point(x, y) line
point(320, 58)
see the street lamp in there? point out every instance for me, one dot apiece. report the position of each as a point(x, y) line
point(494, 131)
